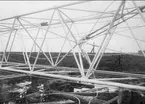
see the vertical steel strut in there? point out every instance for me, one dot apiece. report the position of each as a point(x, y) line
point(105, 42)
point(79, 64)
point(7, 44)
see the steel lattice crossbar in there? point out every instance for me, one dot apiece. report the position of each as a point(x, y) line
point(56, 29)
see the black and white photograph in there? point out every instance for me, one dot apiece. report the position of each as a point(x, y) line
point(72, 52)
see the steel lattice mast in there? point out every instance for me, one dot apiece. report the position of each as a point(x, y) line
point(63, 20)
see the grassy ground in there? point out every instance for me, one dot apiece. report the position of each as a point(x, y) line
point(113, 62)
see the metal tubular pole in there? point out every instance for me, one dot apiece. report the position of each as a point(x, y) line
point(74, 42)
point(67, 26)
point(81, 61)
point(106, 40)
point(54, 34)
point(109, 23)
point(12, 45)
point(35, 18)
point(8, 41)
point(80, 57)
point(66, 16)
point(80, 69)
point(99, 18)
point(109, 12)
point(60, 53)
point(129, 36)
point(50, 53)
point(44, 10)
point(120, 22)
point(88, 59)
point(62, 47)
point(26, 54)
point(106, 43)
point(65, 55)
point(96, 57)
point(139, 11)
point(2, 50)
point(131, 29)
point(85, 54)
point(97, 63)
point(77, 20)
point(79, 66)
point(114, 25)
point(76, 59)
point(34, 40)
point(80, 53)
point(93, 18)
point(44, 40)
point(50, 60)
point(101, 53)
point(105, 25)
point(34, 43)
point(123, 74)
point(5, 26)
point(86, 43)
point(115, 84)
point(122, 10)
point(135, 39)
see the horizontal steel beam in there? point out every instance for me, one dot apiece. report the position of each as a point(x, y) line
point(116, 79)
point(115, 84)
point(43, 10)
point(125, 74)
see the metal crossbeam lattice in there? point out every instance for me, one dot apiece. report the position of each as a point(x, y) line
point(66, 28)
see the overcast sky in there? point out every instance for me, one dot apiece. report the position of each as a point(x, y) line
point(12, 8)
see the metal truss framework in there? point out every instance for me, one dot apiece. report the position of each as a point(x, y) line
point(20, 23)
